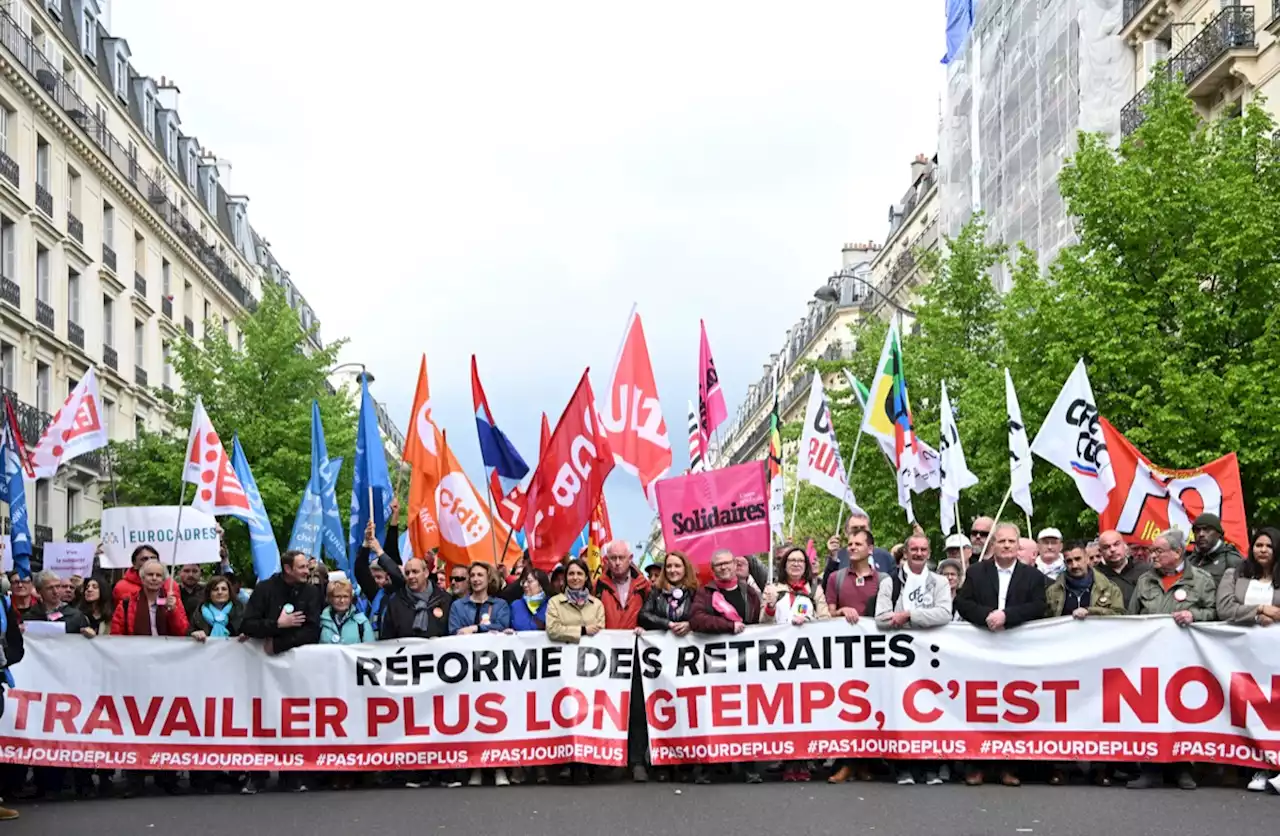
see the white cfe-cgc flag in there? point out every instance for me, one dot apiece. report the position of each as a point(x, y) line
point(1071, 439)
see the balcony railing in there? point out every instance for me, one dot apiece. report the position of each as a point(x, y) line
point(75, 227)
point(166, 306)
point(44, 200)
point(189, 327)
point(44, 314)
point(109, 258)
point(32, 423)
point(42, 534)
point(10, 292)
point(140, 375)
point(44, 74)
point(140, 285)
point(1232, 29)
point(75, 334)
point(9, 170)
point(110, 358)
point(1131, 9)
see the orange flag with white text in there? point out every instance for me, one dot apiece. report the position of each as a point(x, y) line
point(420, 451)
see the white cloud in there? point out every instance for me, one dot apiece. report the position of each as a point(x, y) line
point(507, 178)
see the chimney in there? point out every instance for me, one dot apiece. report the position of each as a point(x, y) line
point(104, 14)
point(918, 167)
point(167, 93)
point(224, 173)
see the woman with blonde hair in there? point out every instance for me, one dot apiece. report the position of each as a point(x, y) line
point(340, 622)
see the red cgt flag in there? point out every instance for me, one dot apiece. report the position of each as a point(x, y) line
point(569, 480)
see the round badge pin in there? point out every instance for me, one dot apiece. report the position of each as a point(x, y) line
point(1180, 595)
point(288, 608)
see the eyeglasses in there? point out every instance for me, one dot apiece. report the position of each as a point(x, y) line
point(978, 533)
point(459, 579)
point(721, 565)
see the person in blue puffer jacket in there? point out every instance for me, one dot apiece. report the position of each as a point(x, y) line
point(529, 612)
point(340, 623)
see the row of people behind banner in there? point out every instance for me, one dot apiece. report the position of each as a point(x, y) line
point(1010, 587)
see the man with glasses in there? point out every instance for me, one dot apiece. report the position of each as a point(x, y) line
point(1173, 587)
point(458, 582)
point(838, 558)
point(978, 535)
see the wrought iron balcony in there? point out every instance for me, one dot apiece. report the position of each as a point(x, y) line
point(140, 375)
point(9, 169)
point(42, 72)
point(75, 334)
point(166, 306)
point(75, 228)
point(44, 200)
point(189, 327)
point(140, 285)
point(42, 534)
point(1134, 114)
point(110, 358)
point(1231, 29)
point(31, 421)
point(109, 258)
point(10, 292)
point(44, 314)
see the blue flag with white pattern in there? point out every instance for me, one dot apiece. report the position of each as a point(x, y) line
point(370, 477)
point(317, 527)
point(262, 538)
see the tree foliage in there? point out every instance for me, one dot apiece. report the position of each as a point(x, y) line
point(1169, 296)
point(264, 394)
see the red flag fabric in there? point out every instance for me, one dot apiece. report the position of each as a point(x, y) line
point(569, 480)
point(632, 417)
point(1148, 499)
point(711, 408)
point(545, 438)
point(601, 531)
point(208, 467)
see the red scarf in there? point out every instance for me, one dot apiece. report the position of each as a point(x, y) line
point(142, 617)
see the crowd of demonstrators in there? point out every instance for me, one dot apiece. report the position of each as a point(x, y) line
point(995, 579)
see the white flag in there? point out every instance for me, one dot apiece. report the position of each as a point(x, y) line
point(927, 474)
point(77, 428)
point(1071, 439)
point(956, 475)
point(1019, 450)
point(820, 463)
point(208, 467)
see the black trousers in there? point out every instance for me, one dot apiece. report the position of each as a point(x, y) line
point(637, 724)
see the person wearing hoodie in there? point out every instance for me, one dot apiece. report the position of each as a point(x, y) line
point(725, 607)
point(917, 598)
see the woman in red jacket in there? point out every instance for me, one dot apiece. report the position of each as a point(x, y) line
point(152, 611)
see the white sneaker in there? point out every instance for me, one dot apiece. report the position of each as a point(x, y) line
point(932, 779)
point(500, 778)
point(905, 779)
point(1258, 783)
point(452, 784)
point(477, 778)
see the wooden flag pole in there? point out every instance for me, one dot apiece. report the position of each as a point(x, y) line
point(177, 527)
point(1003, 502)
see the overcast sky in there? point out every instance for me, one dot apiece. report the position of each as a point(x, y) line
point(507, 178)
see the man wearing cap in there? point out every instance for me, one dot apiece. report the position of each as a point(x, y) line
point(654, 571)
point(1174, 586)
point(958, 547)
point(1213, 554)
point(1050, 560)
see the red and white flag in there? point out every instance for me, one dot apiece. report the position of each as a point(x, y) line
point(632, 417)
point(77, 428)
point(208, 467)
point(711, 409)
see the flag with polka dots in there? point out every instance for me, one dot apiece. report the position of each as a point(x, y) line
point(77, 428)
point(208, 467)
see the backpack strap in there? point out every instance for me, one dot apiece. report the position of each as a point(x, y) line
point(897, 588)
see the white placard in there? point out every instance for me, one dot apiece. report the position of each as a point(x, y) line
point(6, 554)
point(44, 628)
point(69, 559)
point(124, 529)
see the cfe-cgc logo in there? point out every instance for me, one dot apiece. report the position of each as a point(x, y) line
point(1090, 446)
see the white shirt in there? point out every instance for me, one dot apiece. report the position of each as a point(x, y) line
point(1004, 576)
point(913, 588)
point(1052, 570)
point(1258, 593)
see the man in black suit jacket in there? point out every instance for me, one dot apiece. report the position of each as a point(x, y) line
point(999, 594)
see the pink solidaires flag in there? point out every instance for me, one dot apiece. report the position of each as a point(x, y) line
point(77, 428)
point(208, 467)
point(711, 409)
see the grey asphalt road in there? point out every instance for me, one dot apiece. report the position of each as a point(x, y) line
point(630, 810)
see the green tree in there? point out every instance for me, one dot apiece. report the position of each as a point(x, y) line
point(264, 394)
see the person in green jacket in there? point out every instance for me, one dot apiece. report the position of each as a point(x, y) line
point(1081, 590)
point(1173, 587)
point(341, 623)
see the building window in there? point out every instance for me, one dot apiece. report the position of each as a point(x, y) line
point(8, 361)
point(139, 254)
point(73, 191)
point(108, 414)
point(191, 166)
point(166, 279)
point(89, 36)
point(139, 423)
point(42, 162)
point(208, 311)
point(226, 327)
point(240, 341)
point(73, 296)
point(122, 76)
point(73, 507)
point(44, 386)
point(166, 354)
point(187, 298)
point(171, 144)
point(42, 501)
point(8, 247)
point(133, 161)
point(139, 343)
point(108, 320)
point(42, 274)
point(5, 114)
point(108, 226)
point(149, 115)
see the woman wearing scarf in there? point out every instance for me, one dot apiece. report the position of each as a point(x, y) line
point(571, 615)
point(529, 612)
point(340, 623)
point(725, 606)
point(668, 607)
point(220, 616)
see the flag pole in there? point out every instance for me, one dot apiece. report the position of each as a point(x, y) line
point(795, 500)
point(848, 476)
point(111, 475)
point(177, 527)
point(1030, 530)
point(1003, 502)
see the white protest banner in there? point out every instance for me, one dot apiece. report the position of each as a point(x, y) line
point(1138, 689)
point(69, 559)
point(465, 702)
point(6, 553)
point(124, 529)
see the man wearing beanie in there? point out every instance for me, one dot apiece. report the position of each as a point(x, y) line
point(1213, 554)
